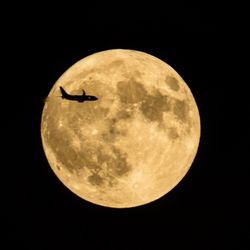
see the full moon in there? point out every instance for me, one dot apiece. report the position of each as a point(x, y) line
point(132, 145)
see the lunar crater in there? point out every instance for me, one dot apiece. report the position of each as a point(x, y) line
point(172, 82)
point(154, 105)
point(130, 91)
point(109, 168)
point(181, 109)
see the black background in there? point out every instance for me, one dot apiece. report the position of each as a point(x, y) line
point(208, 209)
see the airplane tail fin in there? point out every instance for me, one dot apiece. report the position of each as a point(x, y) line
point(64, 94)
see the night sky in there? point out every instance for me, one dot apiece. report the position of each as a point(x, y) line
point(207, 210)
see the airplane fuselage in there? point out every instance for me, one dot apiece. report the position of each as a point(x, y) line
point(80, 98)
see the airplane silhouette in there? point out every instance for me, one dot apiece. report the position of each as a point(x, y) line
point(79, 98)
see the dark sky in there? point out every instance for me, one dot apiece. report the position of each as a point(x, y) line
point(207, 210)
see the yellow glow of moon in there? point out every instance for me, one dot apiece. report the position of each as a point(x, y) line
point(131, 146)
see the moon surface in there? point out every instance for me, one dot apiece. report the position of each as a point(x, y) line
point(131, 146)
